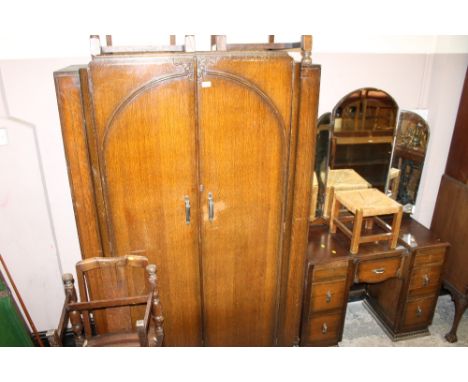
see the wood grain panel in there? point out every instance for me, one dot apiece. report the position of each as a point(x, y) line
point(146, 142)
point(243, 164)
point(305, 152)
point(450, 223)
point(67, 85)
point(331, 271)
point(430, 256)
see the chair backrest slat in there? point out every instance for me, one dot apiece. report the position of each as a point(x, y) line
point(110, 278)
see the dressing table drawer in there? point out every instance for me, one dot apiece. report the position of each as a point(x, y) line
point(327, 296)
point(425, 280)
point(419, 312)
point(433, 256)
point(374, 271)
point(324, 329)
point(330, 271)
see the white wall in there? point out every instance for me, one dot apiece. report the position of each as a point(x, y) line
point(442, 100)
point(37, 232)
point(38, 237)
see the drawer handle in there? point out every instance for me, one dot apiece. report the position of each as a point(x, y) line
point(210, 207)
point(328, 297)
point(418, 311)
point(187, 210)
point(324, 328)
point(378, 271)
point(425, 280)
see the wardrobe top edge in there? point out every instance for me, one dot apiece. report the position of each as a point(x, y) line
point(72, 69)
point(142, 55)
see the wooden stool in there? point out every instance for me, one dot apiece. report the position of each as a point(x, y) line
point(341, 180)
point(364, 204)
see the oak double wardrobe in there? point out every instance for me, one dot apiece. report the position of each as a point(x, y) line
point(200, 161)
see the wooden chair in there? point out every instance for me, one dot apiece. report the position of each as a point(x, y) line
point(119, 305)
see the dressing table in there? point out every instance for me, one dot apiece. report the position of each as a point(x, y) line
point(400, 285)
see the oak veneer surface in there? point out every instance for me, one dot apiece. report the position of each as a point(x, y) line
point(326, 247)
point(243, 135)
point(145, 140)
point(451, 213)
point(457, 160)
point(415, 235)
point(67, 84)
point(308, 83)
point(450, 222)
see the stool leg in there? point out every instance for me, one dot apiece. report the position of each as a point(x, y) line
point(334, 213)
point(357, 226)
point(396, 228)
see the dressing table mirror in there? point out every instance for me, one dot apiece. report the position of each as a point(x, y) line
point(408, 157)
point(319, 180)
point(364, 123)
point(354, 147)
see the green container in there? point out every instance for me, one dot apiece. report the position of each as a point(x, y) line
point(13, 330)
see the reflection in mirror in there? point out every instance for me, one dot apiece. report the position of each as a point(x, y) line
point(363, 125)
point(321, 166)
point(408, 159)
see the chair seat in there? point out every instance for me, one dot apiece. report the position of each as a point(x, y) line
point(371, 201)
point(129, 339)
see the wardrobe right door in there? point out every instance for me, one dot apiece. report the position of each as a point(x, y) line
point(244, 108)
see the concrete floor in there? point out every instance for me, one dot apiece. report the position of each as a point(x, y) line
point(362, 330)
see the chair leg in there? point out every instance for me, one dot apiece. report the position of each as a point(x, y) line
point(53, 338)
point(396, 228)
point(142, 335)
point(357, 227)
point(157, 319)
point(75, 317)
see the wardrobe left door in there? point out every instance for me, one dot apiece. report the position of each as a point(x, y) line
point(143, 148)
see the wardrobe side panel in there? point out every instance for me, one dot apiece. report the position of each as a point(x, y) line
point(305, 154)
point(68, 91)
